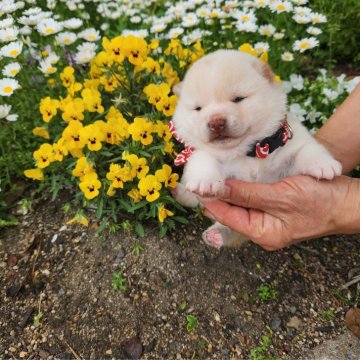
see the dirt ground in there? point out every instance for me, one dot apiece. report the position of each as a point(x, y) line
point(58, 302)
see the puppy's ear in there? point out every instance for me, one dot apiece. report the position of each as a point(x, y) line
point(176, 89)
point(265, 70)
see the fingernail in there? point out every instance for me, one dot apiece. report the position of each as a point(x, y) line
point(226, 193)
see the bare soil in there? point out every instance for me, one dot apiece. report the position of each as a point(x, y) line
point(64, 273)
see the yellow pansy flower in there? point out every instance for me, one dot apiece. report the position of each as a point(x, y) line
point(35, 174)
point(82, 168)
point(168, 105)
point(164, 213)
point(166, 176)
point(72, 135)
point(140, 130)
point(135, 49)
point(48, 108)
point(138, 165)
point(90, 185)
point(114, 47)
point(79, 218)
point(73, 110)
point(149, 186)
point(44, 156)
point(67, 76)
point(93, 136)
point(118, 175)
point(42, 132)
point(60, 150)
point(135, 195)
point(92, 100)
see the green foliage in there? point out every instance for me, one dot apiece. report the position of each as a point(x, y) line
point(328, 314)
point(341, 37)
point(118, 282)
point(261, 352)
point(266, 292)
point(191, 322)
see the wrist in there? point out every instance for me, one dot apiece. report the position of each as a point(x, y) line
point(347, 219)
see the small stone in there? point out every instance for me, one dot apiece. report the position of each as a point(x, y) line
point(12, 349)
point(352, 320)
point(133, 348)
point(275, 323)
point(295, 323)
point(292, 309)
point(248, 313)
point(22, 354)
point(108, 352)
point(217, 317)
point(43, 354)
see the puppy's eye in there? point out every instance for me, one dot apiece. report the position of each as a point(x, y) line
point(237, 99)
point(198, 108)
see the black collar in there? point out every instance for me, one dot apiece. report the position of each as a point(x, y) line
point(261, 149)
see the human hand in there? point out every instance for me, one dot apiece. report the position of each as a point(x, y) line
point(295, 209)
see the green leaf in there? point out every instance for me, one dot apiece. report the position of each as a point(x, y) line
point(139, 229)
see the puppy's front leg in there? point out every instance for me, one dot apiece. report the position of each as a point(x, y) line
point(202, 175)
point(314, 160)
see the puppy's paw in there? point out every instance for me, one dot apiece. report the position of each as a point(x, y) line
point(323, 168)
point(184, 197)
point(213, 237)
point(208, 188)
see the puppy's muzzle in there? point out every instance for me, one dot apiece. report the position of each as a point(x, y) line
point(217, 124)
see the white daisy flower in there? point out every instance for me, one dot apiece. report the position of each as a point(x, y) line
point(175, 33)
point(317, 18)
point(267, 30)
point(136, 19)
point(245, 16)
point(46, 67)
point(302, 10)
point(65, 38)
point(53, 58)
point(12, 50)
point(9, 34)
point(231, 3)
point(158, 28)
point(5, 113)
point(190, 20)
point(6, 23)
point(25, 30)
point(31, 20)
point(10, 7)
point(48, 27)
point(87, 46)
point(313, 116)
point(261, 3)
point(301, 19)
point(73, 23)
point(261, 47)
point(312, 30)
point(84, 57)
point(90, 34)
point(279, 35)
point(305, 44)
point(32, 11)
point(203, 12)
point(287, 56)
point(246, 27)
point(142, 33)
point(11, 69)
point(280, 6)
point(8, 86)
point(300, 2)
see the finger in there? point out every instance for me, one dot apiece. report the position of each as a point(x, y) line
point(235, 217)
point(252, 195)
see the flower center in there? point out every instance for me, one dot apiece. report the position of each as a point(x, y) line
point(7, 89)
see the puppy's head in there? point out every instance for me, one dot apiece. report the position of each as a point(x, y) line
point(228, 100)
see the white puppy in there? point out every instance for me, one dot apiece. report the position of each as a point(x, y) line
point(233, 115)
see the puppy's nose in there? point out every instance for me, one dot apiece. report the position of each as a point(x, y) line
point(217, 124)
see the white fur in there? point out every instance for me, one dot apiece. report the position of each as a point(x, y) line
point(212, 83)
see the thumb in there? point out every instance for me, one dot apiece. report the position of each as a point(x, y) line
point(251, 195)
